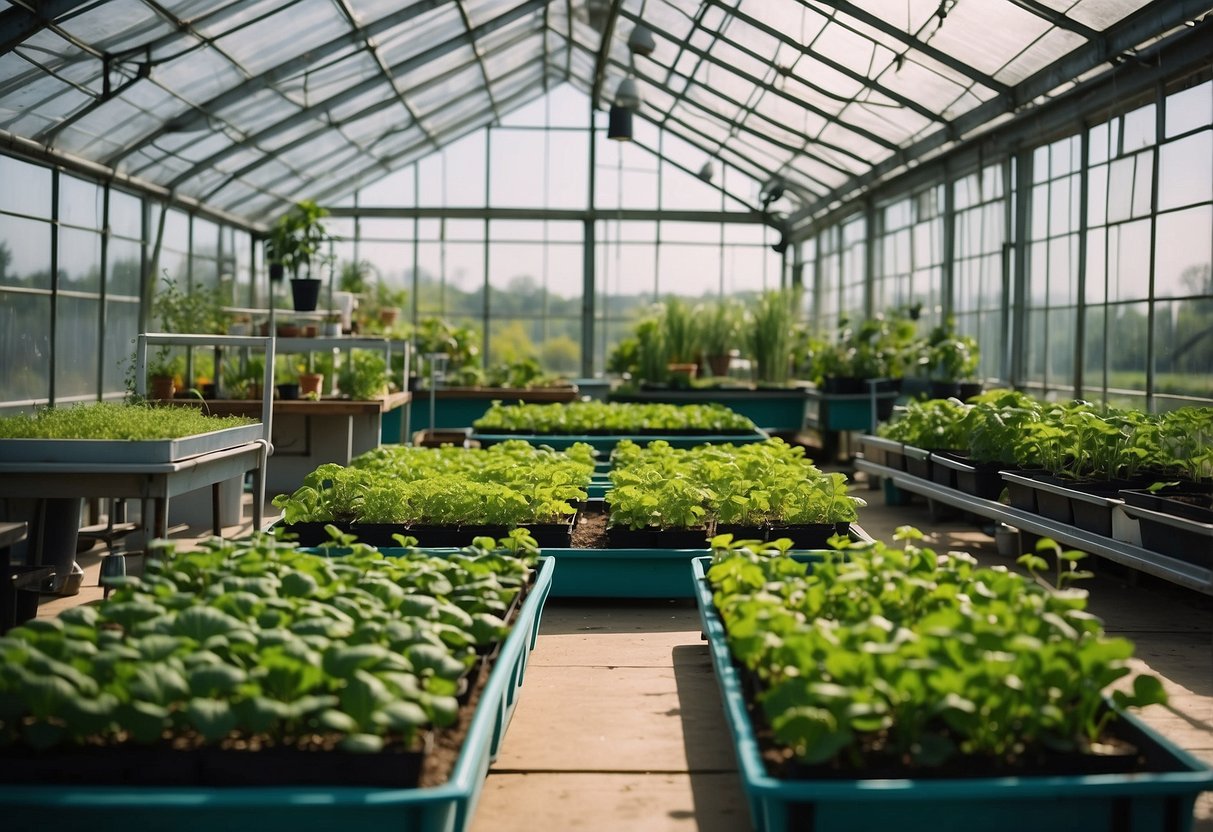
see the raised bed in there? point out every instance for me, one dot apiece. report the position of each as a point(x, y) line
point(445, 808)
point(1156, 800)
point(605, 443)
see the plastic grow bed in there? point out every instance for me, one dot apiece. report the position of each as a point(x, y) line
point(445, 808)
point(631, 573)
point(109, 451)
point(1160, 801)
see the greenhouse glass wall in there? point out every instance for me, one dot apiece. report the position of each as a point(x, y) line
point(1051, 194)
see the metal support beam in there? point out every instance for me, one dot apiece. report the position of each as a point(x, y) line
point(604, 52)
point(556, 214)
point(320, 109)
point(1123, 80)
point(843, 69)
point(909, 40)
point(484, 72)
point(18, 24)
point(758, 82)
point(281, 72)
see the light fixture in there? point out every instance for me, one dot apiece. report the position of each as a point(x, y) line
point(619, 123)
point(641, 41)
point(707, 171)
point(596, 12)
point(627, 94)
point(772, 190)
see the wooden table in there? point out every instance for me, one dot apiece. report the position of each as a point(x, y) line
point(307, 434)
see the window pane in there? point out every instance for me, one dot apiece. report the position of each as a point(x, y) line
point(1183, 349)
point(1183, 253)
point(27, 188)
point(121, 327)
point(76, 353)
point(1185, 171)
point(79, 260)
point(25, 349)
point(125, 258)
point(25, 253)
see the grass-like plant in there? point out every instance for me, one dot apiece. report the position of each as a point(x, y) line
point(110, 420)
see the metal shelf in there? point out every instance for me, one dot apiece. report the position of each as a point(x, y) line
point(1176, 571)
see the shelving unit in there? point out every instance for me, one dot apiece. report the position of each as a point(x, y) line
point(311, 433)
point(1179, 572)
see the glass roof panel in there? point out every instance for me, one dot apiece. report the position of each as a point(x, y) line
point(1052, 45)
point(989, 35)
point(1100, 14)
point(309, 22)
point(117, 25)
point(419, 34)
point(198, 76)
point(467, 83)
point(759, 79)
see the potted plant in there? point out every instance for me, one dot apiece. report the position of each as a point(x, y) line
point(769, 331)
point(296, 244)
point(363, 376)
point(950, 360)
point(719, 327)
point(681, 343)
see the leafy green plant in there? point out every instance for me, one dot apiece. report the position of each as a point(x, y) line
point(884, 656)
point(297, 238)
point(508, 484)
point(610, 418)
point(363, 376)
point(934, 424)
point(254, 644)
point(947, 355)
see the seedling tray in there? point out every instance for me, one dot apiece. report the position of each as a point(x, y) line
point(135, 452)
point(1140, 801)
point(445, 808)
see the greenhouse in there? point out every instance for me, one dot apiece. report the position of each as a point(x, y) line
point(777, 414)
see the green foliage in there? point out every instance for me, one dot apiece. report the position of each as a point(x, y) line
point(878, 655)
point(948, 356)
point(197, 310)
point(363, 376)
point(934, 424)
point(610, 418)
point(460, 343)
point(720, 327)
point(298, 237)
point(769, 332)
point(109, 420)
point(255, 640)
point(507, 484)
point(753, 484)
point(881, 347)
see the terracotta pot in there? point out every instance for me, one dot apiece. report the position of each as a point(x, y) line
point(388, 315)
point(160, 387)
point(288, 331)
point(311, 383)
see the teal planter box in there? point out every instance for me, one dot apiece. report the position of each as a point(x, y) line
point(445, 808)
point(605, 443)
point(623, 573)
point(1161, 801)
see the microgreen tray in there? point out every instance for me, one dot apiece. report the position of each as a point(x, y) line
point(111, 451)
point(445, 808)
point(1140, 801)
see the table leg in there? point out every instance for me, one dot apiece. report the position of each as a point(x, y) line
point(216, 522)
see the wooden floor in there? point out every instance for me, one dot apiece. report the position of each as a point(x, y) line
point(620, 725)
